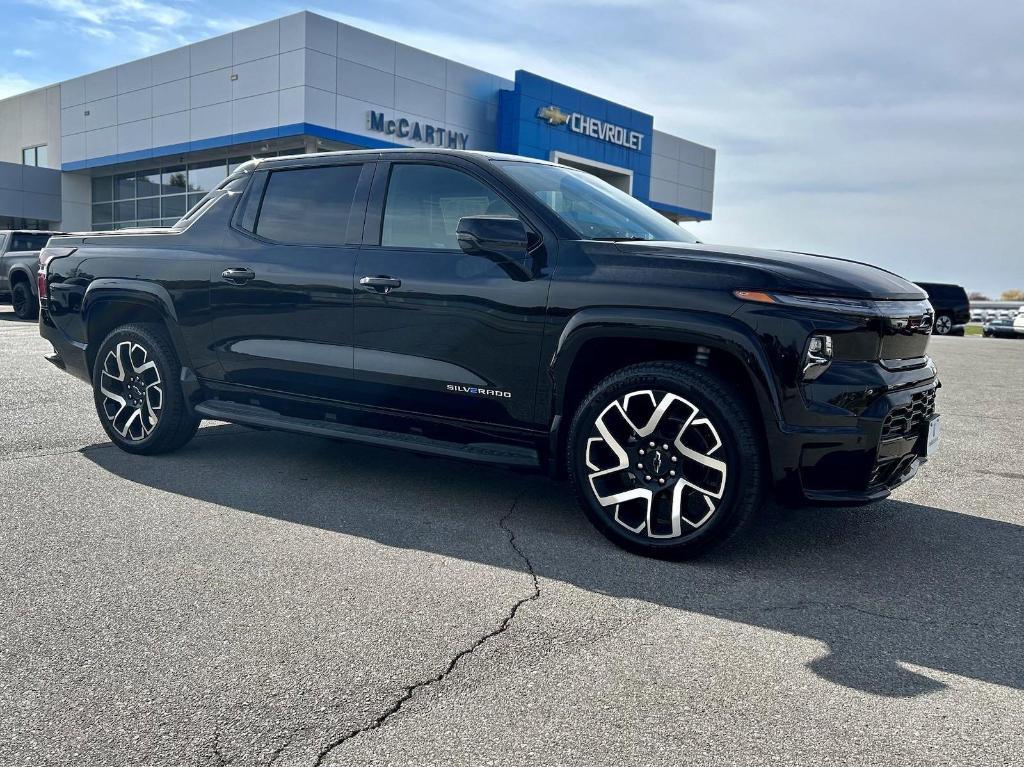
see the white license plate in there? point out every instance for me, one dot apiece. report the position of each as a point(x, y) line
point(934, 430)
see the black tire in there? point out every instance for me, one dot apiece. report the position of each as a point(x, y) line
point(25, 305)
point(739, 483)
point(174, 426)
point(943, 324)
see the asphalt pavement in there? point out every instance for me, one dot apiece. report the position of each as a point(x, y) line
point(266, 599)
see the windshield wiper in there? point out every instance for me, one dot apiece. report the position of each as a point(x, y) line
point(621, 239)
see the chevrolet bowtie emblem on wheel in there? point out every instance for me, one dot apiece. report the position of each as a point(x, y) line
point(553, 115)
point(656, 462)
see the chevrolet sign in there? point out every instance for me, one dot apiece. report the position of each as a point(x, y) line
point(591, 126)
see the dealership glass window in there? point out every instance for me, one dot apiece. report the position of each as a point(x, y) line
point(173, 180)
point(152, 196)
point(124, 211)
point(425, 202)
point(157, 196)
point(204, 176)
point(148, 183)
point(102, 215)
point(103, 189)
point(124, 186)
point(310, 206)
point(147, 208)
point(173, 206)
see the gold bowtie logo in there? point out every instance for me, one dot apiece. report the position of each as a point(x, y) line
point(553, 115)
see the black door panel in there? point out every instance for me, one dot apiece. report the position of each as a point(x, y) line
point(459, 335)
point(281, 297)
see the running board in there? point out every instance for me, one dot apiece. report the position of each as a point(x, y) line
point(482, 452)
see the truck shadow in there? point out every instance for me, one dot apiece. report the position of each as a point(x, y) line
point(884, 588)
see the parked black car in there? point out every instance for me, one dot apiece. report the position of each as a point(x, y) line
point(1000, 327)
point(507, 311)
point(952, 307)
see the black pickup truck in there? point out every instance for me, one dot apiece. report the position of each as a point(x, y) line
point(508, 311)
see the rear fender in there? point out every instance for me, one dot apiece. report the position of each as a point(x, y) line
point(104, 291)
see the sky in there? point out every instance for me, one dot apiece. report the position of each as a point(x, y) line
point(881, 131)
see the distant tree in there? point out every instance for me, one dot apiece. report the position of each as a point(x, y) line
point(1013, 295)
point(976, 296)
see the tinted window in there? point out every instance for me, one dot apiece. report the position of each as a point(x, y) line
point(946, 293)
point(592, 207)
point(425, 203)
point(309, 206)
point(22, 241)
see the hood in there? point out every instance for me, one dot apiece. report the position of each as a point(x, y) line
point(784, 271)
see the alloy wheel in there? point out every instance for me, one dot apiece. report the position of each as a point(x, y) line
point(132, 391)
point(656, 463)
point(943, 324)
point(19, 301)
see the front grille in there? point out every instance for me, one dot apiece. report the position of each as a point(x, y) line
point(905, 421)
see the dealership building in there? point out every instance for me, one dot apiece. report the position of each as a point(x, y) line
point(139, 143)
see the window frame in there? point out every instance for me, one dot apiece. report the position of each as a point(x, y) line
point(260, 181)
point(34, 149)
point(383, 187)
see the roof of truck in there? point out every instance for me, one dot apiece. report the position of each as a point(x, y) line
point(467, 153)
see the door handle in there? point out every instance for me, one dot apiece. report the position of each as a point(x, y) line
point(238, 276)
point(380, 284)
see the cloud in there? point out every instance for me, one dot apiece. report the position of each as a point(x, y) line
point(117, 11)
point(12, 84)
point(884, 132)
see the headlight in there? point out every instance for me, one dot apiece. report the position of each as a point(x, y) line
point(818, 356)
point(862, 307)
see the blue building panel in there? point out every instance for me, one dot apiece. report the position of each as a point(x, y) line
point(572, 116)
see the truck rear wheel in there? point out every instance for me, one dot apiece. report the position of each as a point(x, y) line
point(665, 459)
point(137, 391)
point(25, 305)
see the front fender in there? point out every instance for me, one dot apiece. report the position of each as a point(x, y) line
point(717, 332)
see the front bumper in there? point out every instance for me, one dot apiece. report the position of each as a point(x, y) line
point(878, 448)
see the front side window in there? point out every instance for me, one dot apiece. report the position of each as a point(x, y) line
point(425, 202)
point(308, 206)
point(593, 208)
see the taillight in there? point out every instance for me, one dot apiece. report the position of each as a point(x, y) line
point(46, 255)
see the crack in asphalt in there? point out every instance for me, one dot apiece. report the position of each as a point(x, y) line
point(218, 755)
point(410, 690)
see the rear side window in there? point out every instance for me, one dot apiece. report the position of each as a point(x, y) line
point(425, 202)
point(308, 206)
point(23, 241)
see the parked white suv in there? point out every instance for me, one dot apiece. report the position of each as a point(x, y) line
point(1018, 321)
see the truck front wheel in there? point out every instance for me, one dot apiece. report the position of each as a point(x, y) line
point(136, 386)
point(666, 460)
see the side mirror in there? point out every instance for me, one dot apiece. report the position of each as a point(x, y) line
point(493, 236)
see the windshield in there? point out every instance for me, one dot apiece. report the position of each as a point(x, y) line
point(593, 208)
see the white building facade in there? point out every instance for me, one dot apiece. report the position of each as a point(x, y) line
point(138, 144)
